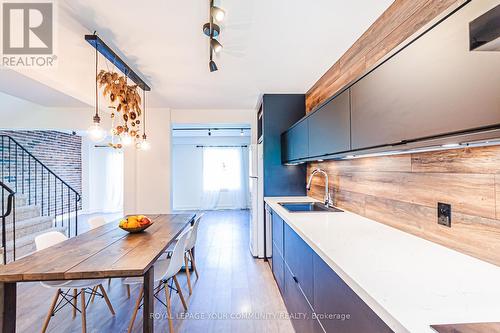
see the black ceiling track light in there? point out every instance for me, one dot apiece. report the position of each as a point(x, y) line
point(212, 31)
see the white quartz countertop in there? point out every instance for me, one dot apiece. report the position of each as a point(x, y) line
point(409, 282)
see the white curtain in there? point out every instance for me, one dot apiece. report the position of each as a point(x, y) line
point(225, 178)
point(106, 180)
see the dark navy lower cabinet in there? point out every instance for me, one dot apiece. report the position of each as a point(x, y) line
point(278, 266)
point(316, 298)
point(338, 307)
point(277, 232)
point(299, 258)
point(301, 313)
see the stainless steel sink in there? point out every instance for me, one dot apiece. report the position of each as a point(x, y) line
point(311, 207)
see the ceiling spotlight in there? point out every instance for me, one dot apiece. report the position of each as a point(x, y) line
point(216, 46)
point(218, 13)
point(212, 66)
point(241, 133)
point(209, 132)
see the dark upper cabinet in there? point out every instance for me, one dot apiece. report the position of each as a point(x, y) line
point(297, 141)
point(333, 296)
point(329, 127)
point(433, 86)
point(299, 258)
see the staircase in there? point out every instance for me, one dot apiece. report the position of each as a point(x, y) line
point(40, 201)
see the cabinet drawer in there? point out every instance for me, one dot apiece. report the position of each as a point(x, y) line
point(298, 307)
point(299, 258)
point(333, 297)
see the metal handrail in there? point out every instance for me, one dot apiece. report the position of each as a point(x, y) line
point(45, 184)
point(41, 163)
point(10, 209)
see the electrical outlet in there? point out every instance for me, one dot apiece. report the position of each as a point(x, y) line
point(444, 214)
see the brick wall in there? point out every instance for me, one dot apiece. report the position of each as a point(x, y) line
point(60, 152)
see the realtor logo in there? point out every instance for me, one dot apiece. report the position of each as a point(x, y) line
point(27, 28)
point(28, 34)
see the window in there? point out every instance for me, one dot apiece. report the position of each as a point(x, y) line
point(221, 169)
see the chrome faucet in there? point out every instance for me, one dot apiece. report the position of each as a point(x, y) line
point(328, 197)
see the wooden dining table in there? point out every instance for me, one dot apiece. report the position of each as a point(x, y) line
point(104, 252)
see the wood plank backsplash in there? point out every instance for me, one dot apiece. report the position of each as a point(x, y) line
point(401, 20)
point(403, 191)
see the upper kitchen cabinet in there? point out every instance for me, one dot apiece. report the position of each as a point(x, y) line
point(296, 141)
point(329, 127)
point(433, 86)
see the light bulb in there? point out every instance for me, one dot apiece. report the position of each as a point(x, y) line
point(145, 145)
point(218, 14)
point(126, 139)
point(96, 133)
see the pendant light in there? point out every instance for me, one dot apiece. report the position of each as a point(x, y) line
point(96, 133)
point(144, 144)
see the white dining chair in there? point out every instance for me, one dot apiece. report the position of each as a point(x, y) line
point(80, 287)
point(165, 270)
point(189, 253)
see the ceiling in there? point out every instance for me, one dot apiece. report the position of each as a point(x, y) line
point(270, 46)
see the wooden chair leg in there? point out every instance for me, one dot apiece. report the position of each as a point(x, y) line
point(193, 263)
point(84, 311)
point(105, 295)
point(188, 274)
point(75, 302)
point(51, 309)
point(136, 308)
point(179, 290)
point(169, 309)
point(128, 290)
point(94, 292)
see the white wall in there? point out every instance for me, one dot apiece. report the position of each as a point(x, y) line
point(17, 113)
point(187, 170)
point(147, 174)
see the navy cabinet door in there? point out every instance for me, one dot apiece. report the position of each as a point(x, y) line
point(329, 127)
point(277, 233)
point(298, 140)
point(298, 307)
point(299, 258)
point(278, 266)
point(332, 296)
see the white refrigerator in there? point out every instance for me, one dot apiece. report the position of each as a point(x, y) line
point(256, 200)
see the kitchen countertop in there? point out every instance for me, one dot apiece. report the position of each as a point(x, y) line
point(409, 282)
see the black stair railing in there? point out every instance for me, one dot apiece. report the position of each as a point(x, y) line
point(8, 208)
point(27, 175)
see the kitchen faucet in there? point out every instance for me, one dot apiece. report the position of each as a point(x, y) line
point(328, 197)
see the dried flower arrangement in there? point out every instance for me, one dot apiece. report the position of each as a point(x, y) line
point(125, 100)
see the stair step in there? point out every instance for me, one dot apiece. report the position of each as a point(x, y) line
point(21, 199)
point(26, 245)
point(24, 213)
point(30, 226)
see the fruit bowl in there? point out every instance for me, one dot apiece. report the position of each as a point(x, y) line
point(135, 223)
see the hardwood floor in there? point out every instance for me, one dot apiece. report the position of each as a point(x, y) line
point(232, 286)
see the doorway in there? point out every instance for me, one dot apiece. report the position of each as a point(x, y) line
point(210, 167)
